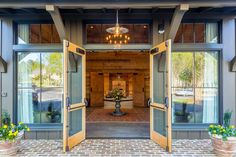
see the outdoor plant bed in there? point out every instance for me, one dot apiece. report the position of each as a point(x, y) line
point(10, 136)
point(223, 137)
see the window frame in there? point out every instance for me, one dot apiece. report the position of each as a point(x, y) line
point(219, 37)
point(207, 47)
point(33, 48)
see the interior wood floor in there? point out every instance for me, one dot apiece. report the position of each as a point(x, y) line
point(135, 115)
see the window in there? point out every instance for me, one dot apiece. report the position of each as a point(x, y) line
point(195, 81)
point(197, 33)
point(40, 88)
point(37, 34)
point(96, 33)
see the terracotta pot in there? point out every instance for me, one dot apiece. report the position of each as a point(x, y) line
point(224, 148)
point(11, 147)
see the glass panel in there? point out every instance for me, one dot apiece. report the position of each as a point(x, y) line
point(52, 69)
point(183, 105)
point(35, 33)
point(182, 73)
point(55, 35)
point(46, 33)
point(178, 37)
point(206, 69)
point(206, 108)
point(94, 33)
point(188, 32)
point(75, 121)
point(199, 29)
point(141, 33)
point(23, 34)
point(104, 32)
point(51, 105)
point(28, 105)
point(75, 78)
point(130, 27)
point(159, 121)
point(159, 77)
point(28, 70)
point(211, 32)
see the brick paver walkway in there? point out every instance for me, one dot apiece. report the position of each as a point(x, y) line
point(116, 147)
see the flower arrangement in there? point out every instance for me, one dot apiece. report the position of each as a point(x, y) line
point(225, 130)
point(116, 94)
point(9, 131)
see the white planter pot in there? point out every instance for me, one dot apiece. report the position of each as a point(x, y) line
point(224, 148)
point(11, 147)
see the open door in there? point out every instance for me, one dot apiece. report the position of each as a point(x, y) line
point(74, 95)
point(160, 92)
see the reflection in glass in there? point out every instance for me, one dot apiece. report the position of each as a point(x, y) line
point(35, 71)
point(51, 105)
point(195, 87)
point(206, 110)
point(159, 78)
point(211, 33)
point(52, 72)
point(182, 72)
point(28, 105)
point(75, 78)
point(183, 105)
point(206, 69)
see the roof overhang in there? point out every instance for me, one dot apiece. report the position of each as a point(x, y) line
point(99, 4)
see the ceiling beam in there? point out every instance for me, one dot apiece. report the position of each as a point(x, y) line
point(57, 19)
point(176, 20)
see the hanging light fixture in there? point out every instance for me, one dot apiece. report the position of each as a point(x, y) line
point(117, 35)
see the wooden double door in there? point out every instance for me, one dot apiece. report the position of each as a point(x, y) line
point(75, 94)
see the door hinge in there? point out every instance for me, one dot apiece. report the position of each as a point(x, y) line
point(166, 102)
point(67, 102)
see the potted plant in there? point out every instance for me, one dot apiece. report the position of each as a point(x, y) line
point(10, 135)
point(224, 137)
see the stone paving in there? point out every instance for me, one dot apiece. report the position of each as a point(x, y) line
point(116, 147)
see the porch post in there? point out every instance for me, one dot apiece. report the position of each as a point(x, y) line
point(56, 16)
point(176, 20)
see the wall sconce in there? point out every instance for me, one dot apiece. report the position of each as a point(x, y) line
point(161, 28)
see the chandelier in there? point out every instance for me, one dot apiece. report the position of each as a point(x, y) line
point(117, 35)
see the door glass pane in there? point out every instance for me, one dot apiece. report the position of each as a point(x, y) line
point(159, 77)
point(75, 78)
point(75, 121)
point(206, 69)
point(159, 121)
point(183, 105)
